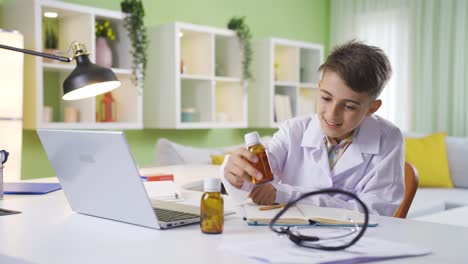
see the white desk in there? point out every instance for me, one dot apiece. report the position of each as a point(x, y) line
point(47, 231)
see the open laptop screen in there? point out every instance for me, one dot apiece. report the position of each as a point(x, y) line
point(98, 174)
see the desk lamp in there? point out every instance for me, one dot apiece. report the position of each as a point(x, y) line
point(86, 80)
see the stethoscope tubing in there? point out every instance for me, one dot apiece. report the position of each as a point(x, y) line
point(299, 239)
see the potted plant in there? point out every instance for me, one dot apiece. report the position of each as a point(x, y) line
point(50, 41)
point(104, 33)
point(243, 33)
point(133, 23)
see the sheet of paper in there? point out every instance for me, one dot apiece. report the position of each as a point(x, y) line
point(281, 250)
point(163, 190)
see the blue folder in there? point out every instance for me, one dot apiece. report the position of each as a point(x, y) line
point(30, 187)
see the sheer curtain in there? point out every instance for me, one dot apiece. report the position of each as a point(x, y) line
point(385, 24)
point(426, 41)
point(440, 66)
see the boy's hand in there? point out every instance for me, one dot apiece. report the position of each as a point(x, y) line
point(264, 194)
point(238, 169)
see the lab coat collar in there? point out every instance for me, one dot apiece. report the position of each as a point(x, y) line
point(367, 139)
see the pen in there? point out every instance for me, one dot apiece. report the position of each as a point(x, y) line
point(270, 207)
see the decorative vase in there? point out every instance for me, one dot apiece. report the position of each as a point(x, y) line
point(103, 53)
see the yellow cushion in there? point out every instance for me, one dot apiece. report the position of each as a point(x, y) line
point(429, 156)
point(217, 159)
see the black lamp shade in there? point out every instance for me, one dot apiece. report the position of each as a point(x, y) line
point(88, 80)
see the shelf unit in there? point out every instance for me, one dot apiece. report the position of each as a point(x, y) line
point(43, 79)
point(197, 68)
point(285, 81)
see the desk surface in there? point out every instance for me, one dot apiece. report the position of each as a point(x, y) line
point(47, 231)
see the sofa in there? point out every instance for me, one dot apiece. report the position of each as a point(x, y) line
point(435, 204)
point(171, 153)
point(429, 204)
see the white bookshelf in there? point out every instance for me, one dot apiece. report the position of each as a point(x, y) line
point(43, 80)
point(285, 81)
point(209, 82)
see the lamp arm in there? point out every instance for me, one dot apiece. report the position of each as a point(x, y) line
point(31, 52)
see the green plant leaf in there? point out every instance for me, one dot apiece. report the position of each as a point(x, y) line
point(243, 33)
point(136, 31)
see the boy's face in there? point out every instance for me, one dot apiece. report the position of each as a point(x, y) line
point(341, 109)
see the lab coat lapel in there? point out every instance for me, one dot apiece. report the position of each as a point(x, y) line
point(366, 141)
point(313, 141)
point(351, 158)
point(323, 162)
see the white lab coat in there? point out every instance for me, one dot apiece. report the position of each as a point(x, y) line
point(371, 167)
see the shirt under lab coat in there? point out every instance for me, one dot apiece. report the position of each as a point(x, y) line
point(371, 167)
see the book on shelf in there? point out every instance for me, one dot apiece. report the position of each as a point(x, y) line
point(283, 110)
point(302, 214)
point(287, 107)
point(306, 106)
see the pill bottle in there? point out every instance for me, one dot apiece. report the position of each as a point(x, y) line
point(253, 144)
point(212, 207)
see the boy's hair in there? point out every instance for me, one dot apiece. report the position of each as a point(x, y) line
point(364, 68)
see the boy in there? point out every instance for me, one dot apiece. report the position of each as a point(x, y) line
point(343, 146)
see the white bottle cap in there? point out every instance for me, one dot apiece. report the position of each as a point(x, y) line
point(212, 184)
point(252, 138)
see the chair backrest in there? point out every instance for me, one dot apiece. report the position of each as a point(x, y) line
point(411, 185)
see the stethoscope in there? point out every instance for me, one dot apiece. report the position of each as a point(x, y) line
point(299, 239)
point(3, 157)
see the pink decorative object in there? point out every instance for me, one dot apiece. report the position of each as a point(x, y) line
point(103, 53)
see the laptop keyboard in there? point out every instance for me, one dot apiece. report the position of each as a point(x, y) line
point(170, 215)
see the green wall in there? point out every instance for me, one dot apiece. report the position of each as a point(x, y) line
point(306, 20)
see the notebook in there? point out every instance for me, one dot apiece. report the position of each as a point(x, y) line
point(30, 187)
point(100, 178)
point(302, 214)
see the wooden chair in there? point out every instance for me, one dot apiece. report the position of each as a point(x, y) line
point(411, 185)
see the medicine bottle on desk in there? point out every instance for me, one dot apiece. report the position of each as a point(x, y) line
point(253, 144)
point(212, 207)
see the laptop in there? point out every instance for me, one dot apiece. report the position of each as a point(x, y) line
point(100, 178)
